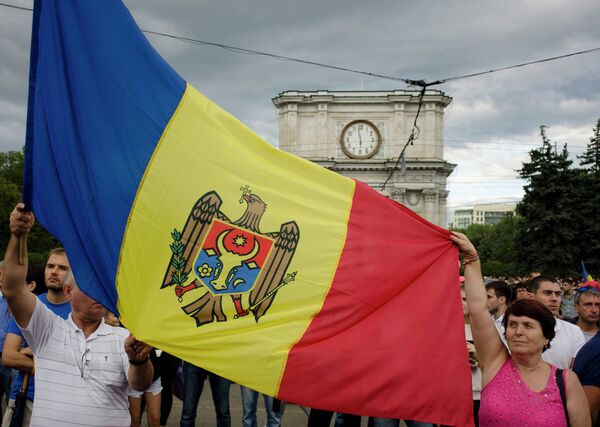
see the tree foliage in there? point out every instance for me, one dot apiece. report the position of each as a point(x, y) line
point(11, 178)
point(557, 213)
point(496, 246)
point(556, 225)
point(591, 156)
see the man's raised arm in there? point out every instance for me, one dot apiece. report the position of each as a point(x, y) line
point(20, 300)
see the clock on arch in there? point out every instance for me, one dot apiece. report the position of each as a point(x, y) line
point(360, 139)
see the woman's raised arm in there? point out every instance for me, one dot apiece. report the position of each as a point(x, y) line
point(490, 349)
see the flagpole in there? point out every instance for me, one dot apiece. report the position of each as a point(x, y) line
point(22, 248)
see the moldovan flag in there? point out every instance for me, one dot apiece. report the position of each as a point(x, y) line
point(220, 249)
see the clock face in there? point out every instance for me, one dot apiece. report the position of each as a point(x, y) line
point(360, 139)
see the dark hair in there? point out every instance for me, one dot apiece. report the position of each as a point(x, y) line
point(534, 310)
point(534, 284)
point(501, 289)
point(35, 273)
point(515, 289)
point(520, 285)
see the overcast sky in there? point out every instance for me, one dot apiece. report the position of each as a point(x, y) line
point(491, 124)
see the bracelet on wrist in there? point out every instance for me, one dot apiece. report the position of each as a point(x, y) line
point(136, 363)
point(468, 259)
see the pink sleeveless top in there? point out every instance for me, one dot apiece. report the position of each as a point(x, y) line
point(507, 401)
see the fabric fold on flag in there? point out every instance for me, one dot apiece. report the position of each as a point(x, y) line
point(222, 250)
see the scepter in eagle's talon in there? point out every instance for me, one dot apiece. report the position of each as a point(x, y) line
point(290, 277)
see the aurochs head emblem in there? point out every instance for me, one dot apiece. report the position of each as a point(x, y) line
point(215, 258)
point(231, 258)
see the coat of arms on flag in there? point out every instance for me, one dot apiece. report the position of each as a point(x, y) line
point(225, 258)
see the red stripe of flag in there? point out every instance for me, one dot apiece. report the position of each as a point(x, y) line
point(389, 340)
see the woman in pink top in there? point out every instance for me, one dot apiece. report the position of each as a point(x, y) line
point(518, 388)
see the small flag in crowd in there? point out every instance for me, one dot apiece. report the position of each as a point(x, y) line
point(586, 276)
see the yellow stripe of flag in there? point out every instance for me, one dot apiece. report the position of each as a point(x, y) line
point(206, 149)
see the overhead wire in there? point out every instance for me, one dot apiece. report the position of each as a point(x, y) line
point(411, 82)
point(13, 6)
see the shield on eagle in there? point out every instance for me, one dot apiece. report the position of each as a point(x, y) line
point(231, 258)
point(218, 258)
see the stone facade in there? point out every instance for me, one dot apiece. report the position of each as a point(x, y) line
point(310, 125)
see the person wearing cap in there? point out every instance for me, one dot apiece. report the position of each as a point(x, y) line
point(587, 305)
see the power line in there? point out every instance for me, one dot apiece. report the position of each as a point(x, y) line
point(236, 49)
point(524, 64)
point(414, 134)
point(15, 7)
point(411, 82)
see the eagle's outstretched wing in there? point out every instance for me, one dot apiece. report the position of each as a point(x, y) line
point(274, 268)
point(195, 229)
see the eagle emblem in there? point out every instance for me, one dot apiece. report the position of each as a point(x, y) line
point(221, 258)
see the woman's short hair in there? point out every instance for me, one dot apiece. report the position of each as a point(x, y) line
point(534, 310)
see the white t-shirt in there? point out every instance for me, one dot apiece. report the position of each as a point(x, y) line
point(566, 344)
point(78, 381)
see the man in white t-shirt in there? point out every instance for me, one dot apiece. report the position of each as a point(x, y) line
point(568, 339)
point(83, 366)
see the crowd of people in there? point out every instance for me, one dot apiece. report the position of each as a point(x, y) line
point(526, 336)
point(532, 343)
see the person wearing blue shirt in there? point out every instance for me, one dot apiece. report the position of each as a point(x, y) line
point(587, 368)
point(5, 372)
point(16, 352)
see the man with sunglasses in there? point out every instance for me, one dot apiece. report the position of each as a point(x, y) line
point(587, 304)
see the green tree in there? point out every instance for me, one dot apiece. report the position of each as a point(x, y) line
point(591, 156)
point(12, 166)
point(10, 194)
point(479, 235)
point(548, 235)
point(504, 251)
point(11, 178)
point(588, 203)
point(496, 246)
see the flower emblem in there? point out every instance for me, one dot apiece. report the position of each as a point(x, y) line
point(205, 270)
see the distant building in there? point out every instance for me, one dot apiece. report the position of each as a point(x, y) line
point(490, 213)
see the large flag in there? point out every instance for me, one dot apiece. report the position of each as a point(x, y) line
point(214, 246)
